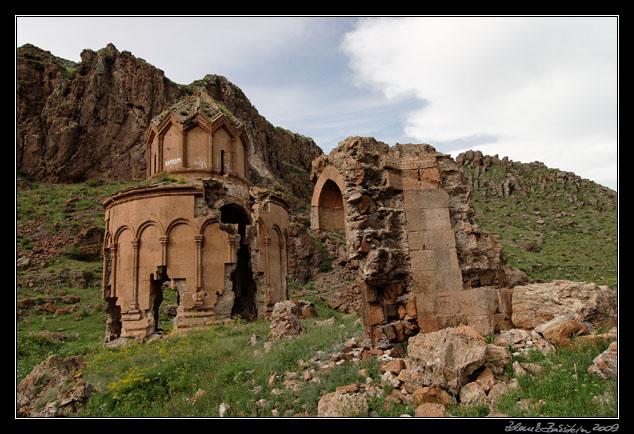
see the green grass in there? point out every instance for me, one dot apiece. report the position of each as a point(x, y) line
point(159, 378)
point(579, 246)
point(52, 208)
point(567, 389)
point(83, 328)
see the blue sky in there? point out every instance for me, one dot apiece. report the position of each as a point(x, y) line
point(530, 88)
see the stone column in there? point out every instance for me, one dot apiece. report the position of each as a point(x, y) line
point(163, 241)
point(198, 239)
point(134, 303)
point(267, 274)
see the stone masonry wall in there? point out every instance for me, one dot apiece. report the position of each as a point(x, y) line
point(409, 230)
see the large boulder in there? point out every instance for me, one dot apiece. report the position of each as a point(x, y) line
point(446, 358)
point(539, 303)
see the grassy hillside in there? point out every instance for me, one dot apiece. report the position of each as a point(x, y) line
point(552, 224)
point(59, 310)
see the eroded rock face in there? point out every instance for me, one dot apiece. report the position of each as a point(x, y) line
point(81, 120)
point(446, 358)
point(53, 388)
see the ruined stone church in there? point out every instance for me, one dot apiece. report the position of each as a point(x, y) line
point(217, 241)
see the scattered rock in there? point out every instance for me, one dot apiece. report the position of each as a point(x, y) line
point(348, 389)
point(605, 365)
point(486, 380)
point(533, 368)
point(199, 394)
point(559, 329)
point(339, 404)
point(521, 341)
point(434, 395)
point(518, 369)
point(471, 393)
point(326, 322)
point(223, 409)
point(53, 389)
point(431, 410)
point(498, 390)
point(496, 359)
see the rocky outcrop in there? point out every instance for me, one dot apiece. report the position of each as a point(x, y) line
point(77, 121)
point(496, 177)
point(53, 388)
point(92, 123)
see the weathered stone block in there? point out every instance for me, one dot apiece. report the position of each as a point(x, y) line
point(427, 220)
point(429, 178)
point(441, 239)
point(427, 324)
point(375, 314)
point(393, 180)
point(486, 300)
point(505, 300)
point(423, 260)
point(446, 259)
point(425, 199)
point(465, 302)
point(444, 303)
point(484, 324)
point(425, 305)
point(446, 321)
point(410, 179)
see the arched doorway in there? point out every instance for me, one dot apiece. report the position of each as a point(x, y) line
point(244, 286)
point(330, 207)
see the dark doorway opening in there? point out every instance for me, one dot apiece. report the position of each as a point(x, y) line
point(244, 286)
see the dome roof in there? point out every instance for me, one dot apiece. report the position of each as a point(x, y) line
point(198, 103)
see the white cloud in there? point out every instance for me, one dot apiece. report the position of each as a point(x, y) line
point(541, 88)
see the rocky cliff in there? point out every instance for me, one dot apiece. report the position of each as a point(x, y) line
point(77, 121)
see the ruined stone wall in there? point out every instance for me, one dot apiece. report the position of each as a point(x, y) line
point(409, 230)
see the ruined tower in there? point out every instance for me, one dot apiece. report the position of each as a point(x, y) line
point(212, 237)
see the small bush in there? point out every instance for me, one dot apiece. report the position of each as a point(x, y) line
point(75, 252)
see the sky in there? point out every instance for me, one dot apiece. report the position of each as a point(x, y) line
point(538, 88)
